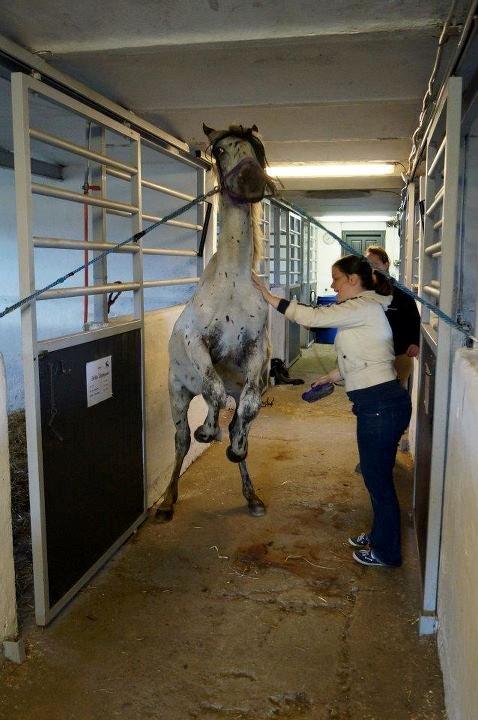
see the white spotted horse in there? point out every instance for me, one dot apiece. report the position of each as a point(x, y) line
point(219, 345)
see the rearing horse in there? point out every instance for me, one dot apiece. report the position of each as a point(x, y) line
point(219, 345)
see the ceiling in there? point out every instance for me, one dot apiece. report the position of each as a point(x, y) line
point(323, 81)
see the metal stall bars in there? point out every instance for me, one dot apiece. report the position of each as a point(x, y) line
point(294, 281)
point(305, 293)
point(278, 276)
point(313, 262)
point(83, 392)
point(266, 233)
point(196, 227)
point(437, 271)
point(288, 272)
point(285, 276)
point(265, 267)
point(273, 252)
point(309, 274)
point(84, 396)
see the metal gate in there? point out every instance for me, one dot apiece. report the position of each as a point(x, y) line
point(439, 212)
point(84, 391)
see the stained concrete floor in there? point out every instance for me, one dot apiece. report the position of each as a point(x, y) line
point(219, 615)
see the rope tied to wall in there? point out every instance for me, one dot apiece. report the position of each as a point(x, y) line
point(470, 339)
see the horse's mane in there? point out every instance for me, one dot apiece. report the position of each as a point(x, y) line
point(257, 235)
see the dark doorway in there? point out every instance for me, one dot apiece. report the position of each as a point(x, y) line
point(360, 240)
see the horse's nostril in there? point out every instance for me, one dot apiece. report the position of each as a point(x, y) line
point(252, 180)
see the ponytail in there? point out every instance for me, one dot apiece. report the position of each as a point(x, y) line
point(371, 279)
point(382, 283)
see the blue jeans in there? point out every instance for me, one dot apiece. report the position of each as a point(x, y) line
point(383, 413)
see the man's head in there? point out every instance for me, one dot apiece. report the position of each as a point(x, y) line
point(378, 258)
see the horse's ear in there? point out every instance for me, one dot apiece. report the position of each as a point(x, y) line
point(207, 130)
point(254, 128)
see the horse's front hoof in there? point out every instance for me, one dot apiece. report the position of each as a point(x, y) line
point(234, 457)
point(204, 437)
point(257, 508)
point(164, 514)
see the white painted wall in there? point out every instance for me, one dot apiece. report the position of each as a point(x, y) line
point(159, 424)
point(412, 429)
point(329, 253)
point(8, 607)
point(458, 586)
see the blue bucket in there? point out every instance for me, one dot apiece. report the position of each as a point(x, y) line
point(326, 335)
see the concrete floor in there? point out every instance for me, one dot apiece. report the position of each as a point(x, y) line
point(219, 615)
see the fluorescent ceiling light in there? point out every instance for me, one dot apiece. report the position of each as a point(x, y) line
point(327, 169)
point(354, 218)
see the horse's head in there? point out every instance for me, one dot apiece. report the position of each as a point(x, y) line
point(241, 163)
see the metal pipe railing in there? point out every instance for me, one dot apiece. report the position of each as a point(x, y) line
point(434, 292)
point(90, 290)
point(121, 213)
point(80, 150)
point(118, 174)
point(176, 223)
point(60, 244)
point(150, 184)
point(167, 191)
point(433, 249)
point(437, 200)
point(167, 251)
point(437, 157)
point(164, 283)
point(438, 224)
point(62, 194)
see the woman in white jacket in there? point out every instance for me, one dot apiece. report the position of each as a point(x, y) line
point(365, 354)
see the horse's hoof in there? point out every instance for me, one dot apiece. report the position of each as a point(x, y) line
point(164, 514)
point(233, 457)
point(203, 437)
point(257, 508)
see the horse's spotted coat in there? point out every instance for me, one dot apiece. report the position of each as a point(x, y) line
point(208, 354)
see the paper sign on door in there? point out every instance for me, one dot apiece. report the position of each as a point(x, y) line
point(98, 381)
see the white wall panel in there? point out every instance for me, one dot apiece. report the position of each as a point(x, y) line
point(159, 424)
point(458, 586)
point(8, 607)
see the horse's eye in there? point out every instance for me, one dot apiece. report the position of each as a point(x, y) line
point(219, 151)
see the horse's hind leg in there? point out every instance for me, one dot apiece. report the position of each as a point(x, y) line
point(180, 399)
point(254, 503)
point(247, 407)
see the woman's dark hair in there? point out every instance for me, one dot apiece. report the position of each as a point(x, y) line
point(371, 279)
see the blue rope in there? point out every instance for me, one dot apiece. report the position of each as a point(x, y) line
point(440, 313)
point(134, 238)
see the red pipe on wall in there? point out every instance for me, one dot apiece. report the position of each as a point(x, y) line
point(86, 190)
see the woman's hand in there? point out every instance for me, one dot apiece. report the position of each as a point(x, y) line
point(413, 351)
point(332, 377)
point(268, 296)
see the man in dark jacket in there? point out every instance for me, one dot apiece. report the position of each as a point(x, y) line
point(403, 317)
